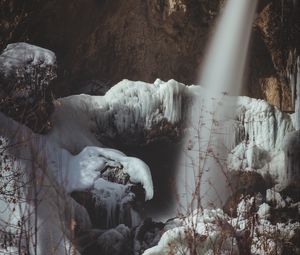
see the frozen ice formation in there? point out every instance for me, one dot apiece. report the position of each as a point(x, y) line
point(74, 154)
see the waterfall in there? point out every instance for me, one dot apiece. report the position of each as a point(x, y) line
point(203, 165)
point(297, 103)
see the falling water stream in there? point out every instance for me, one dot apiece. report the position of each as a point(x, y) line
point(202, 179)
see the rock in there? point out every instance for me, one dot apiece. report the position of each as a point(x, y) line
point(87, 241)
point(26, 72)
point(292, 247)
point(147, 235)
point(111, 203)
point(244, 183)
point(292, 191)
point(82, 219)
point(115, 174)
point(115, 241)
point(111, 40)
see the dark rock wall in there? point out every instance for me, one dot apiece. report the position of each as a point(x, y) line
point(144, 39)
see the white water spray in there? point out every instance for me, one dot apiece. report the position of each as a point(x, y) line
point(203, 165)
point(297, 104)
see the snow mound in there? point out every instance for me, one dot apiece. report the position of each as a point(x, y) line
point(212, 231)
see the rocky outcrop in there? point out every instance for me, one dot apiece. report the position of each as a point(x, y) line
point(278, 27)
point(26, 72)
point(101, 42)
point(113, 201)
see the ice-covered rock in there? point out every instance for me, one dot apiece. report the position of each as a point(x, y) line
point(20, 55)
point(76, 160)
point(80, 172)
point(26, 72)
point(247, 156)
point(263, 124)
point(128, 112)
point(60, 173)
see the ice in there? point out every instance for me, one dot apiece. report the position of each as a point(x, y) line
point(247, 156)
point(60, 173)
point(76, 150)
point(263, 124)
point(113, 197)
point(126, 111)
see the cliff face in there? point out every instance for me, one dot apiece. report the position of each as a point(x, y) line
point(107, 41)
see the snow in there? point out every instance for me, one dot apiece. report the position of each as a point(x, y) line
point(212, 229)
point(264, 211)
point(214, 226)
point(83, 170)
point(275, 198)
point(245, 206)
point(19, 55)
point(83, 126)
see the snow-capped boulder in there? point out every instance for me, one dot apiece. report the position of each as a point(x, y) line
point(26, 72)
